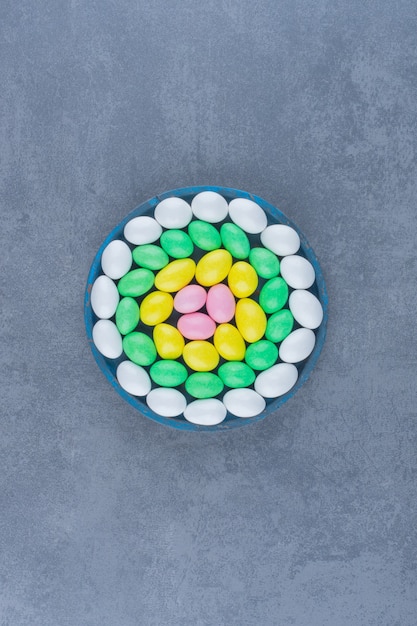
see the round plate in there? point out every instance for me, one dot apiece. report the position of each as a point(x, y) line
point(109, 366)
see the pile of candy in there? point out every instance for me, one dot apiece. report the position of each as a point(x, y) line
point(209, 306)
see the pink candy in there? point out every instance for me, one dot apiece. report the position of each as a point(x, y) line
point(221, 303)
point(196, 326)
point(190, 299)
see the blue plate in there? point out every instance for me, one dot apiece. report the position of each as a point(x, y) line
point(109, 366)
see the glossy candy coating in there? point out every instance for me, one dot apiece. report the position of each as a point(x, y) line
point(200, 356)
point(242, 279)
point(169, 342)
point(213, 267)
point(175, 275)
point(156, 307)
point(229, 342)
point(250, 320)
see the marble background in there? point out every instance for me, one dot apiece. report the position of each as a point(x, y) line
point(307, 518)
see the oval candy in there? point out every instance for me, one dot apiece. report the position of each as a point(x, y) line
point(279, 325)
point(166, 402)
point(200, 356)
point(173, 213)
point(127, 315)
point(156, 307)
point(168, 373)
point(136, 282)
point(297, 271)
point(297, 346)
point(248, 215)
point(236, 374)
point(204, 235)
point(196, 326)
point(306, 308)
point(277, 380)
point(133, 378)
point(250, 320)
point(175, 275)
point(139, 348)
point(264, 262)
point(209, 206)
point(104, 297)
point(169, 342)
point(273, 295)
point(150, 256)
point(143, 229)
point(229, 342)
point(242, 279)
point(203, 385)
point(107, 339)
point(220, 303)
point(244, 402)
point(281, 239)
point(261, 355)
point(116, 259)
point(235, 240)
point(177, 244)
point(190, 299)
point(213, 267)
point(208, 412)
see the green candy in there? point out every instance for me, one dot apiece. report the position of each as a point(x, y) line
point(127, 315)
point(274, 294)
point(279, 325)
point(150, 256)
point(204, 235)
point(236, 374)
point(136, 282)
point(177, 244)
point(261, 355)
point(203, 385)
point(139, 348)
point(235, 240)
point(168, 373)
point(264, 262)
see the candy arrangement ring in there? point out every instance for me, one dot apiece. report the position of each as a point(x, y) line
point(206, 308)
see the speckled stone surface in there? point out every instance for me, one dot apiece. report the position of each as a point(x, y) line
point(307, 518)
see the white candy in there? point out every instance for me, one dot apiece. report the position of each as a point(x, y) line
point(141, 230)
point(133, 378)
point(248, 215)
point(244, 402)
point(205, 412)
point(104, 297)
point(306, 308)
point(116, 259)
point(173, 213)
point(281, 239)
point(209, 206)
point(297, 346)
point(166, 402)
point(107, 339)
point(297, 272)
point(276, 380)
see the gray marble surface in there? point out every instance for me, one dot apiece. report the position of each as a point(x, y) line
point(307, 518)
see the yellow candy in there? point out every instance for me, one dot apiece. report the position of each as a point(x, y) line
point(156, 308)
point(213, 267)
point(200, 356)
point(168, 341)
point(175, 275)
point(250, 320)
point(229, 342)
point(242, 279)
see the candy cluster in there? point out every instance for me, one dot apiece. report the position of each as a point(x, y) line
point(210, 307)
